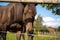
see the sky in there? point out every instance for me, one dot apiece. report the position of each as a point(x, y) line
point(50, 19)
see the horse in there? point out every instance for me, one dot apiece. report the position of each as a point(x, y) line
point(17, 18)
point(28, 17)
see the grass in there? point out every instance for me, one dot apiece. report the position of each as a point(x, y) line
point(12, 36)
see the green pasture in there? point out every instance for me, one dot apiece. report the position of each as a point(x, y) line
point(12, 36)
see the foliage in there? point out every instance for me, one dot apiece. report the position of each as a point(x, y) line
point(54, 7)
point(44, 29)
point(38, 25)
point(58, 28)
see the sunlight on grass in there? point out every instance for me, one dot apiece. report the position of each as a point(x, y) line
point(12, 36)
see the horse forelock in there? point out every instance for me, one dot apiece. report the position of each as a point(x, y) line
point(30, 8)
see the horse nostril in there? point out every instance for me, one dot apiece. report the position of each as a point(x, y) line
point(12, 25)
point(18, 25)
point(15, 25)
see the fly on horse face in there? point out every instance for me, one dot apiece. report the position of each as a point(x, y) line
point(18, 18)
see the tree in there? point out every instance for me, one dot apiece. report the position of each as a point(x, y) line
point(54, 7)
point(38, 23)
point(58, 28)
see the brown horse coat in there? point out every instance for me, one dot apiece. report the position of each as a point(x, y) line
point(15, 17)
point(10, 14)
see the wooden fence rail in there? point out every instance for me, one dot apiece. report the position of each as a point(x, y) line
point(34, 1)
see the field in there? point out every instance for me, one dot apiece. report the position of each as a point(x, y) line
point(12, 36)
